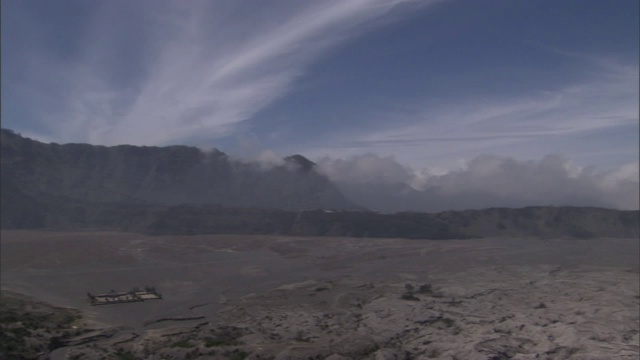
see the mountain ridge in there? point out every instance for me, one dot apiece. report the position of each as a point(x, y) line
point(183, 190)
point(169, 175)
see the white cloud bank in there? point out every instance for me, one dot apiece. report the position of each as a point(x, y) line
point(485, 181)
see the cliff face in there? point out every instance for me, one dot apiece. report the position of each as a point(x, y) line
point(159, 175)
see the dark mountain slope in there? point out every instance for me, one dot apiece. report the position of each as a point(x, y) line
point(545, 221)
point(159, 175)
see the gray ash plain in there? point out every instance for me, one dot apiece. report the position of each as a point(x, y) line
point(283, 297)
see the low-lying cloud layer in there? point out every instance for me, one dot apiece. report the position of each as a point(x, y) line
point(383, 184)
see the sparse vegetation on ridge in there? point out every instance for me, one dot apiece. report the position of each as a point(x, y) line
point(29, 329)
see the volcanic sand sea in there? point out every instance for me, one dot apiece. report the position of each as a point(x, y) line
point(568, 298)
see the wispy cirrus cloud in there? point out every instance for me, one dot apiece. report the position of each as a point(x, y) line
point(607, 99)
point(204, 67)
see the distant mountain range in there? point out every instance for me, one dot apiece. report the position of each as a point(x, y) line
point(183, 190)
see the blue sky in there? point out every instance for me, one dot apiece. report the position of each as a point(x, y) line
point(430, 84)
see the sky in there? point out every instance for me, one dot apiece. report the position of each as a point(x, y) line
point(432, 87)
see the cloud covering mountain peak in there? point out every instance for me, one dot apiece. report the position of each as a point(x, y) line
point(484, 181)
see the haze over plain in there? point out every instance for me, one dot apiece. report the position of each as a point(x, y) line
point(509, 103)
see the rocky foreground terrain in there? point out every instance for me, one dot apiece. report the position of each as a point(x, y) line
point(536, 313)
point(29, 328)
point(313, 298)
